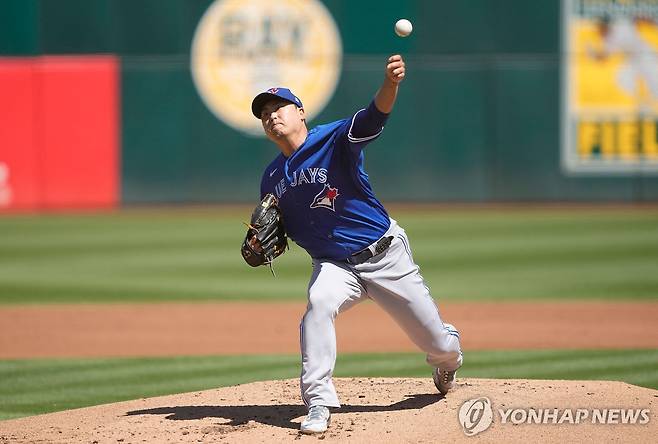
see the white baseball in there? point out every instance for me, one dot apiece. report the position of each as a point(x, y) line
point(403, 27)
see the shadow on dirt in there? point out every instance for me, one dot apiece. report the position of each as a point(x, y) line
point(277, 415)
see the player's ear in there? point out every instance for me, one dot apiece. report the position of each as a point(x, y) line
point(302, 113)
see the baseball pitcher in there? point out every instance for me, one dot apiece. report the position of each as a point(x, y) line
point(317, 193)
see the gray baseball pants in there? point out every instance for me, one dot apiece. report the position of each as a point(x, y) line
point(393, 281)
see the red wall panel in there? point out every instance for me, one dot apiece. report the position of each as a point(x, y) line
point(59, 131)
point(79, 118)
point(19, 186)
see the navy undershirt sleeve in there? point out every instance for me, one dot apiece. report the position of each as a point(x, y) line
point(367, 124)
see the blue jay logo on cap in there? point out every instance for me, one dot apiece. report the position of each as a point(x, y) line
point(283, 93)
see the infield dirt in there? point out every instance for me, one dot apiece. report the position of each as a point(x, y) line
point(171, 329)
point(375, 410)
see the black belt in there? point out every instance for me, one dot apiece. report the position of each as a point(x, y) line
point(363, 255)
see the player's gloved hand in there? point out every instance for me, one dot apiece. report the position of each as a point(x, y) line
point(266, 237)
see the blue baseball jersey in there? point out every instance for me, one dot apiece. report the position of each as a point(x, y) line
point(328, 205)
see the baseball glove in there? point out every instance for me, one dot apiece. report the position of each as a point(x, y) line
point(266, 237)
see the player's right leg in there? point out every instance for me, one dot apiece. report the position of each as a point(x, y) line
point(395, 284)
point(333, 288)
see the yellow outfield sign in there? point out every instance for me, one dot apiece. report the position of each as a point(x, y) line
point(610, 86)
point(243, 47)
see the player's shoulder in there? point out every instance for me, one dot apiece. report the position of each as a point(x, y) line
point(321, 131)
point(326, 127)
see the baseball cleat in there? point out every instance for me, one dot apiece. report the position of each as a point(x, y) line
point(444, 380)
point(317, 420)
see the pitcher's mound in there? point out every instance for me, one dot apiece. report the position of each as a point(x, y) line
point(377, 410)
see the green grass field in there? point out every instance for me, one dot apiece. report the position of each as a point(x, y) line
point(480, 254)
point(193, 254)
point(29, 387)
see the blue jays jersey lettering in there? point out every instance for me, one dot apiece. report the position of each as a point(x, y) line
point(328, 205)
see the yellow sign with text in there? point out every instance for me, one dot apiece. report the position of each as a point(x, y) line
point(610, 140)
point(610, 82)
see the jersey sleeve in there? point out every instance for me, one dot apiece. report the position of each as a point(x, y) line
point(268, 181)
point(365, 126)
point(265, 184)
point(262, 189)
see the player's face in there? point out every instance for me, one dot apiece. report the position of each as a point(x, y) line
point(281, 118)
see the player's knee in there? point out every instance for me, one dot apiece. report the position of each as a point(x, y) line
point(318, 306)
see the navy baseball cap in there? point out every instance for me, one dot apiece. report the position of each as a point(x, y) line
point(273, 93)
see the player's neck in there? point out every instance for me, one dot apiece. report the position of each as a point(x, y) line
point(289, 144)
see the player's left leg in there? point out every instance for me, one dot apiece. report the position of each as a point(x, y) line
point(333, 289)
point(394, 282)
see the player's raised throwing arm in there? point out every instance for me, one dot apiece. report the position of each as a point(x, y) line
point(394, 74)
point(368, 123)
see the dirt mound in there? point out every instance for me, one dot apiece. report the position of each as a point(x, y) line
point(374, 410)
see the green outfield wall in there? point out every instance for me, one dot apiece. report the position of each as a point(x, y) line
point(478, 117)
